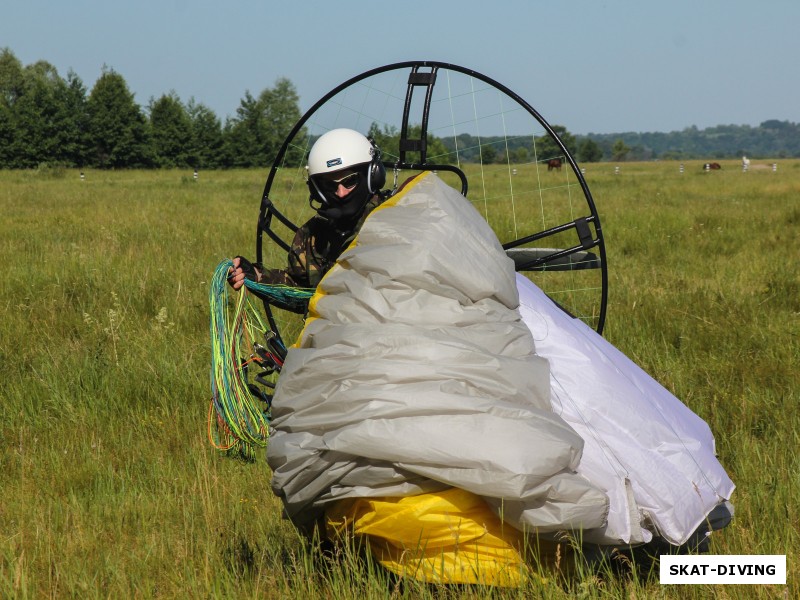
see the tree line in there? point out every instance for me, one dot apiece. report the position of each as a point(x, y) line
point(48, 119)
point(54, 120)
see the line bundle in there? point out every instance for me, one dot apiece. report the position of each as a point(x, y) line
point(237, 421)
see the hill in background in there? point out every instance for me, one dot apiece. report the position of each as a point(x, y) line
point(771, 139)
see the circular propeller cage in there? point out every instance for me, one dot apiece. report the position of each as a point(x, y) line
point(481, 138)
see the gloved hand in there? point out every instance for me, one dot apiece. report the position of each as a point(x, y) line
point(242, 269)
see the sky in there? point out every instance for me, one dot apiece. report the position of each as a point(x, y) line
point(592, 66)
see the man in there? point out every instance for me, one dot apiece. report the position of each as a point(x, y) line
point(345, 176)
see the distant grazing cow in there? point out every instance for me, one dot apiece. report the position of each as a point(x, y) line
point(554, 163)
point(712, 167)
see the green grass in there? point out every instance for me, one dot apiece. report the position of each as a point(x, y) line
point(111, 489)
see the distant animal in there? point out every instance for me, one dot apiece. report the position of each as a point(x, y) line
point(712, 166)
point(554, 163)
point(745, 163)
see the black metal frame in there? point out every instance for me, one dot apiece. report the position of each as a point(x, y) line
point(427, 79)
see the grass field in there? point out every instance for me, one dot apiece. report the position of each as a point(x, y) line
point(111, 489)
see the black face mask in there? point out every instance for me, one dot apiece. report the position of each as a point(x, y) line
point(349, 207)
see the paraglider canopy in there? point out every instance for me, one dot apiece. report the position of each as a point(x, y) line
point(428, 364)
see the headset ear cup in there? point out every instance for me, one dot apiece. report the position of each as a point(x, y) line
point(377, 176)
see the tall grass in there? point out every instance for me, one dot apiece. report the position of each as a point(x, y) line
point(110, 488)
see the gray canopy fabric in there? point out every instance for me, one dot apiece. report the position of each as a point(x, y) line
point(415, 373)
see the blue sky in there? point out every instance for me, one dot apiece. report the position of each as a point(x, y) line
point(593, 66)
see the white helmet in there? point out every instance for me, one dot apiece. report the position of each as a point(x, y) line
point(339, 149)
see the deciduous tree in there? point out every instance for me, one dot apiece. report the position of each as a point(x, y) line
point(589, 151)
point(546, 146)
point(12, 79)
point(619, 151)
point(488, 154)
point(254, 136)
point(11, 86)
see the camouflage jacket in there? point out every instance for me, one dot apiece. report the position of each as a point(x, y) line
point(315, 248)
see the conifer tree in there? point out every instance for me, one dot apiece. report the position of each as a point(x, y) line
point(171, 132)
point(206, 144)
point(118, 129)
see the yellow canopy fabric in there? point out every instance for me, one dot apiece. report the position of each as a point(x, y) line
point(450, 537)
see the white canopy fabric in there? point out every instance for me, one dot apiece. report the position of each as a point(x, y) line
point(416, 372)
point(652, 455)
